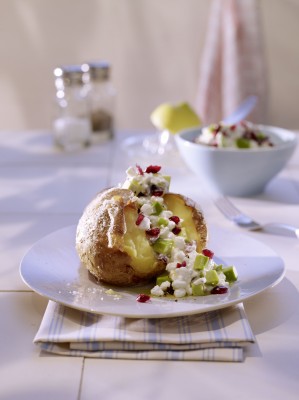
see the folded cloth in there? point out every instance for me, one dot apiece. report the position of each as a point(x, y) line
point(233, 63)
point(214, 336)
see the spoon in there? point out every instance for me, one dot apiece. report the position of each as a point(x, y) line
point(242, 111)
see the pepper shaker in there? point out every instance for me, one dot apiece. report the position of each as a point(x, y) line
point(102, 96)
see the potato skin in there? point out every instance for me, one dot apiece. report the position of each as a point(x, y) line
point(100, 233)
point(99, 240)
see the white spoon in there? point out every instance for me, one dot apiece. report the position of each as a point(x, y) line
point(242, 111)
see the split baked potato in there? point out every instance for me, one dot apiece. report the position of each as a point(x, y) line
point(115, 250)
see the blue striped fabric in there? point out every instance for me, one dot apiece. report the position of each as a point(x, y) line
point(215, 336)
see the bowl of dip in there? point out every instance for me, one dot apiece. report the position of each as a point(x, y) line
point(236, 161)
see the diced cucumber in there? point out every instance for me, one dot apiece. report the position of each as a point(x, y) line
point(162, 278)
point(230, 273)
point(200, 262)
point(158, 208)
point(219, 268)
point(261, 136)
point(167, 178)
point(162, 222)
point(198, 289)
point(212, 278)
point(135, 186)
point(163, 246)
point(242, 143)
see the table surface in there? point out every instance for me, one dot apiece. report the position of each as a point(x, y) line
point(42, 190)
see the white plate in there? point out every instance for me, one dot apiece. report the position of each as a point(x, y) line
point(52, 269)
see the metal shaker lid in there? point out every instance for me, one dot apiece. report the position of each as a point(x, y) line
point(68, 75)
point(99, 70)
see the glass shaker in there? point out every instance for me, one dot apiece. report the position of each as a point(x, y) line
point(102, 96)
point(71, 125)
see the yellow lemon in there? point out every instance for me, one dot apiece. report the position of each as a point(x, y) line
point(174, 118)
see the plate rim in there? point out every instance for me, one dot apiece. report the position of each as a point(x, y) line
point(168, 314)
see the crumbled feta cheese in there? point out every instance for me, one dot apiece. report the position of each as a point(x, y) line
point(222, 280)
point(167, 214)
point(181, 274)
point(157, 199)
point(171, 225)
point(147, 209)
point(178, 255)
point(189, 290)
point(180, 293)
point(157, 291)
point(199, 280)
point(179, 284)
point(171, 266)
point(179, 242)
point(145, 224)
point(131, 172)
point(165, 285)
point(164, 232)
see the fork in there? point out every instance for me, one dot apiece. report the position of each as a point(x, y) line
point(230, 211)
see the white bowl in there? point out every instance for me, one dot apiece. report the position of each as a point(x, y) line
point(237, 172)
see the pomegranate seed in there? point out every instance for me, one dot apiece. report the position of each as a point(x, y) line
point(158, 193)
point(153, 168)
point(233, 127)
point(250, 135)
point(153, 232)
point(176, 230)
point(143, 298)
point(180, 265)
point(219, 290)
point(208, 253)
point(139, 169)
point(175, 219)
point(216, 129)
point(139, 219)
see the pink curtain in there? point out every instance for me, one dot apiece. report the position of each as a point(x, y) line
point(233, 61)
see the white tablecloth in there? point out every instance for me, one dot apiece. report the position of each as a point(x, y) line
point(43, 190)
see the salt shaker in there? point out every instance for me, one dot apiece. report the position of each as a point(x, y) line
point(102, 96)
point(72, 125)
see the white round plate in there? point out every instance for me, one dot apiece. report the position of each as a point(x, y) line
point(52, 269)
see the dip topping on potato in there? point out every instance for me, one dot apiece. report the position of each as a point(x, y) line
point(188, 271)
point(140, 231)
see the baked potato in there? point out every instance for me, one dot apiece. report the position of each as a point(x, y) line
point(115, 250)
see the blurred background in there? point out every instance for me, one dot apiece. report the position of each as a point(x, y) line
point(155, 48)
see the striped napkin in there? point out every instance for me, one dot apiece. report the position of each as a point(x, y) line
point(215, 336)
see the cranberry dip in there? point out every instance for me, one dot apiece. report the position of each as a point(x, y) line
point(243, 135)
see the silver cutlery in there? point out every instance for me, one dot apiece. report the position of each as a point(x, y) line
point(230, 211)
